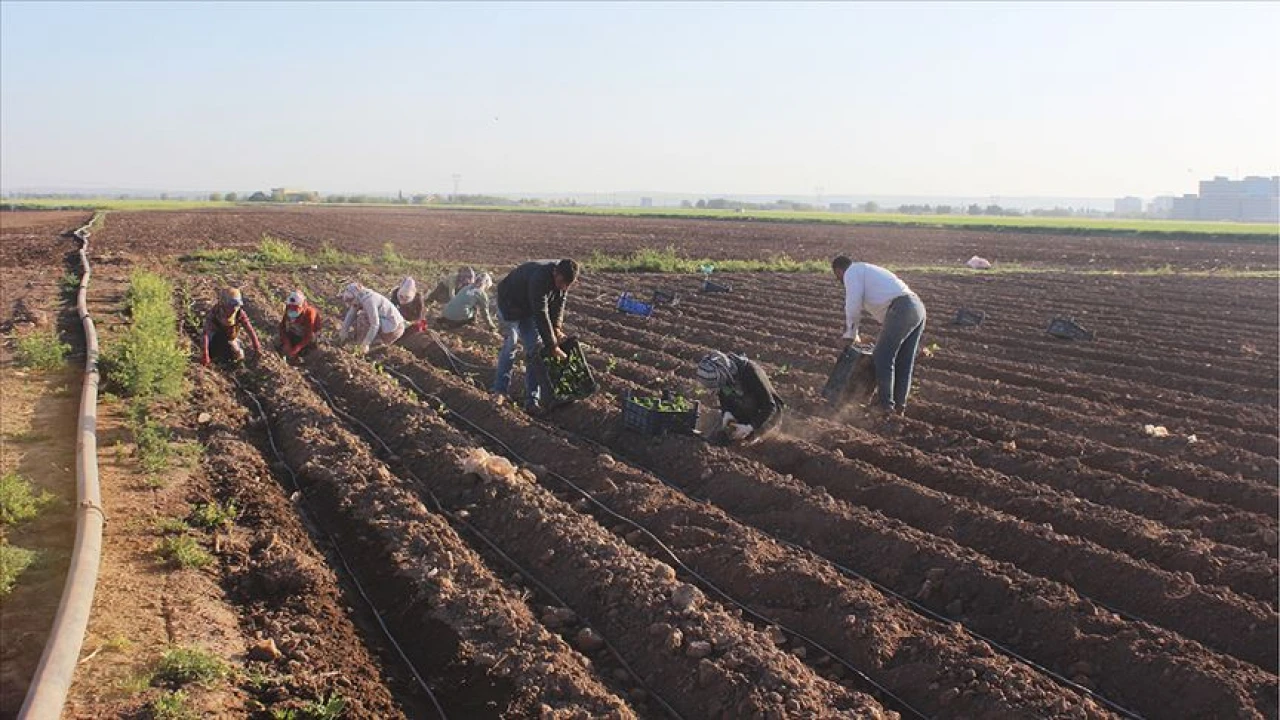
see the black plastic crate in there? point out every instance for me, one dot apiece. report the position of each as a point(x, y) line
point(665, 297)
point(966, 317)
point(715, 287)
point(637, 414)
point(853, 379)
point(1068, 329)
point(571, 378)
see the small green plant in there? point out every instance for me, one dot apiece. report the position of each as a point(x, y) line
point(214, 515)
point(185, 665)
point(171, 705)
point(172, 526)
point(70, 283)
point(147, 360)
point(151, 440)
point(330, 708)
point(13, 562)
point(392, 259)
point(184, 552)
point(42, 351)
point(18, 501)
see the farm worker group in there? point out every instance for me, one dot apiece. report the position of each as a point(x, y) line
point(531, 307)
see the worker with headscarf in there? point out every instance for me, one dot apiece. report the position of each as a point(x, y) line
point(222, 325)
point(449, 285)
point(750, 406)
point(299, 326)
point(371, 316)
point(471, 302)
point(411, 304)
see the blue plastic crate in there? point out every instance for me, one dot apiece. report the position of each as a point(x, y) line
point(655, 421)
point(631, 306)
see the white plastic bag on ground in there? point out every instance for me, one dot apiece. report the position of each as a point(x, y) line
point(487, 465)
point(978, 263)
point(1156, 430)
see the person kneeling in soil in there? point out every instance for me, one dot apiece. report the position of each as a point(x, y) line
point(411, 304)
point(299, 326)
point(221, 337)
point(449, 285)
point(751, 408)
point(371, 316)
point(470, 302)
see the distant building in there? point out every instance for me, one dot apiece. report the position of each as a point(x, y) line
point(841, 207)
point(646, 202)
point(1128, 206)
point(1253, 199)
point(1161, 207)
point(1186, 207)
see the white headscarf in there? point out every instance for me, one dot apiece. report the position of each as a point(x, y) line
point(351, 293)
point(408, 290)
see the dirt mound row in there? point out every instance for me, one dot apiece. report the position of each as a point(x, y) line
point(716, 666)
point(1043, 620)
point(1217, 617)
point(292, 604)
point(477, 642)
point(923, 661)
point(1230, 525)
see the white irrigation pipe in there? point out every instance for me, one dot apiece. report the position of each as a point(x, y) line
point(52, 679)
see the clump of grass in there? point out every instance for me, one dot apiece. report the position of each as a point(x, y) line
point(274, 251)
point(184, 552)
point(171, 705)
point(18, 501)
point(172, 526)
point(669, 260)
point(70, 283)
point(42, 351)
point(214, 515)
point(330, 707)
point(185, 665)
point(151, 440)
point(13, 562)
point(147, 360)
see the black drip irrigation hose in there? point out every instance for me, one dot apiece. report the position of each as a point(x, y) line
point(666, 550)
point(1008, 652)
point(440, 508)
point(295, 488)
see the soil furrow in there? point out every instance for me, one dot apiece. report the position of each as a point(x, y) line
point(724, 668)
point(918, 659)
point(479, 645)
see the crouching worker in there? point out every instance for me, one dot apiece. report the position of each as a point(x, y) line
point(449, 285)
point(221, 338)
point(299, 326)
point(411, 304)
point(751, 407)
point(470, 302)
point(370, 316)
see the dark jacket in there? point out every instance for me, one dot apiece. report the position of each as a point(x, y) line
point(530, 291)
point(752, 400)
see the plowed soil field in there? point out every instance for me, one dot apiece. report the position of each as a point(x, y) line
point(1019, 545)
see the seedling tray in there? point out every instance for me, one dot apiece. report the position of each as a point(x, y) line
point(667, 413)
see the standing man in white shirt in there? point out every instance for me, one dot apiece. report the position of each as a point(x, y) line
point(883, 296)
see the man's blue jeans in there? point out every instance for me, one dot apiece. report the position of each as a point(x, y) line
point(895, 351)
point(526, 332)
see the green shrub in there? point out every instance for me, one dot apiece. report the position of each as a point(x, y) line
point(17, 501)
point(13, 562)
point(274, 251)
point(185, 665)
point(214, 515)
point(42, 351)
point(151, 440)
point(184, 552)
point(147, 360)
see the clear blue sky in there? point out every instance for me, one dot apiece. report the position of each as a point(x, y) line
point(1061, 99)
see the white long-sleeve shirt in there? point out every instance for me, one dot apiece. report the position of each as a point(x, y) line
point(374, 305)
point(871, 288)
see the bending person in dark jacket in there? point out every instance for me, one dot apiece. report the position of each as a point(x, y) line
point(531, 307)
point(751, 407)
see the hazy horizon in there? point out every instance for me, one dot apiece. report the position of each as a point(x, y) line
point(789, 100)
